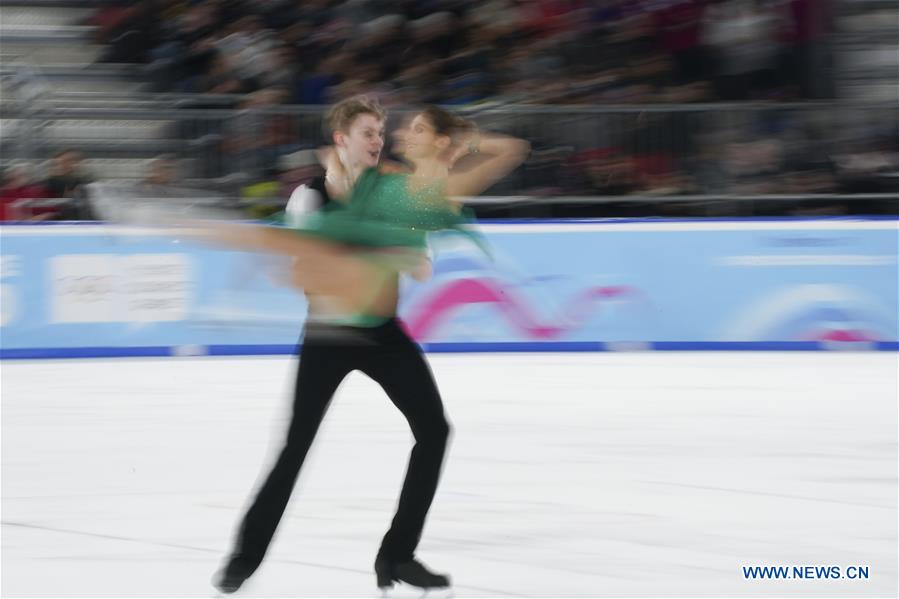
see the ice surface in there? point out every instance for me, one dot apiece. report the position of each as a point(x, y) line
point(569, 475)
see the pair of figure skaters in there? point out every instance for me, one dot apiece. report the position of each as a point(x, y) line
point(369, 227)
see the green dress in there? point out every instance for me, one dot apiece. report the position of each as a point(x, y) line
point(382, 212)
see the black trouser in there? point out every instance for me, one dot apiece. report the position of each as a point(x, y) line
point(387, 355)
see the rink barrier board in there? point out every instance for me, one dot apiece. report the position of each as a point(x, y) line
point(657, 258)
point(443, 348)
point(818, 220)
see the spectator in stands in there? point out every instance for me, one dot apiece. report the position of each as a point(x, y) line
point(537, 51)
point(68, 179)
point(742, 35)
point(437, 35)
point(316, 85)
point(260, 138)
point(109, 19)
point(67, 176)
point(708, 168)
point(380, 46)
point(610, 172)
point(186, 50)
point(659, 141)
point(18, 189)
point(811, 177)
point(162, 171)
point(270, 194)
point(131, 31)
point(542, 174)
point(677, 27)
point(248, 44)
point(650, 78)
point(298, 168)
point(221, 78)
point(263, 193)
point(528, 68)
point(866, 165)
point(161, 179)
point(282, 71)
point(809, 59)
point(545, 50)
point(754, 165)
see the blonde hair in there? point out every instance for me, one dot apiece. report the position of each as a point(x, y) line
point(343, 114)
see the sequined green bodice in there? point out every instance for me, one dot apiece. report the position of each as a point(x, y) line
point(383, 211)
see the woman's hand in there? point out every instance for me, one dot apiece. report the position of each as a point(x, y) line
point(465, 142)
point(497, 156)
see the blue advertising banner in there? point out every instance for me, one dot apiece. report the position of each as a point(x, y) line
point(98, 290)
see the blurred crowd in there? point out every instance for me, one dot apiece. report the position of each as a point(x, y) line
point(463, 51)
point(495, 59)
point(636, 159)
point(27, 194)
point(59, 191)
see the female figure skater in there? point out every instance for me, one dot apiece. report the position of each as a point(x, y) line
point(353, 296)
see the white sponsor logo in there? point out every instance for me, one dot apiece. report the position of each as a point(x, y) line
point(83, 288)
point(112, 288)
point(157, 287)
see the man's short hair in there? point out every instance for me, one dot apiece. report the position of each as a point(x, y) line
point(343, 114)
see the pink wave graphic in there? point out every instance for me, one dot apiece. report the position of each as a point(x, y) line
point(432, 311)
point(841, 335)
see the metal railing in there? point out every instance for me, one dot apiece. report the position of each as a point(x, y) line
point(486, 208)
point(733, 150)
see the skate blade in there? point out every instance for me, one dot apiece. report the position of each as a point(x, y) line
point(402, 591)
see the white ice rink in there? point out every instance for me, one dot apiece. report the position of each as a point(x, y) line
point(569, 475)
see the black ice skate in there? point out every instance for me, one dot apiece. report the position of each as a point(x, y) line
point(231, 577)
point(411, 572)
